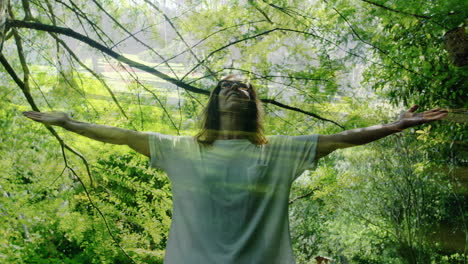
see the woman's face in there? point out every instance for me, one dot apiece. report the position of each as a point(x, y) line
point(234, 96)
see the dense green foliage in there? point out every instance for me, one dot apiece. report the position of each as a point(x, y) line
point(398, 200)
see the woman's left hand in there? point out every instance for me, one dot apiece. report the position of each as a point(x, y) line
point(410, 118)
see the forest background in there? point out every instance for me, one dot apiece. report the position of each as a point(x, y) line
point(320, 66)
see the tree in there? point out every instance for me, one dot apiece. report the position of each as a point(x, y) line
point(313, 62)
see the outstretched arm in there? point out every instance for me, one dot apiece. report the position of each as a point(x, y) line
point(108, 134)
point(360, 136)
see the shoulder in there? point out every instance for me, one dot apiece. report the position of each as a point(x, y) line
point(172, 140)
point(275, 139)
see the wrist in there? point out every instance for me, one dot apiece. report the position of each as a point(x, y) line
point(65, 123)
point(398, 126)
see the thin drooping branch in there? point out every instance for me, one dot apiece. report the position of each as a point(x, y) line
point(226, 46)
point(27, 10)
point(106, 50)
point(190, 49)
point(62, 74)
point(254, 4)
point(289, 12)
point(137, 81)
point(292, 108)
point(39, 8)
point(18, 81)
point(51, 14)
point(266, 32)
point(24, 66)
point(302, 132)
point(360, 216)
point(291, 79)
point(130, 36)
point(396, 11)
point(134, 37)
point(19, 48)
point(80, 14)
point(42, 93)
point(143, 67)
point(180, 36)
point(374, 46)
point(97, 76)
point(281, 9)
point(209, 36)
point(33, 105)
point(261, 76)
point(273, 102)
point(304, 195)
point(24, 86)
point(3, 19)
point(93, 204)
point(63, 146)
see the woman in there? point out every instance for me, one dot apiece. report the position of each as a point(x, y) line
point(231, 183)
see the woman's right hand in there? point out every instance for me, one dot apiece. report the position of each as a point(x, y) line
point(48, 118)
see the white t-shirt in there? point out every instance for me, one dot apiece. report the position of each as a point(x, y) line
point(230, 200)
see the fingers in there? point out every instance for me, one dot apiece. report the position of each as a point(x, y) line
point(431, 112)
point(435, 115)
point(413, 108)
point(438, 109)
point(32, 113)
point(440, 115)
point(36, 116)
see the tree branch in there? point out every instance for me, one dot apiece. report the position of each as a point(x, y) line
point(374, 46)
point(123, 59)
point(273, 102)
point(97, 76)
point(286, 30)
point(228, 45)
point(396, 11)
point(135, 78)
point(180, 36)
point(63, 146)
point(88, 195)
point(33, 105)
point(106, 50)
point(3, 19)
point(254, 4)
point(79, 13)
point(134, 37)
point(208, 36)
point(304, 195)
point(260, 76)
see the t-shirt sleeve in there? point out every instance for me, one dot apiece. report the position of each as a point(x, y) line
point(296, 153)
point(306, 147)
point(161, 146)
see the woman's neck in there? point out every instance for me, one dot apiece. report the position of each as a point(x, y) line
point(232, 126)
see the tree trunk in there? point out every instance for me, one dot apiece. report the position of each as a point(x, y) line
point(456, 43)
